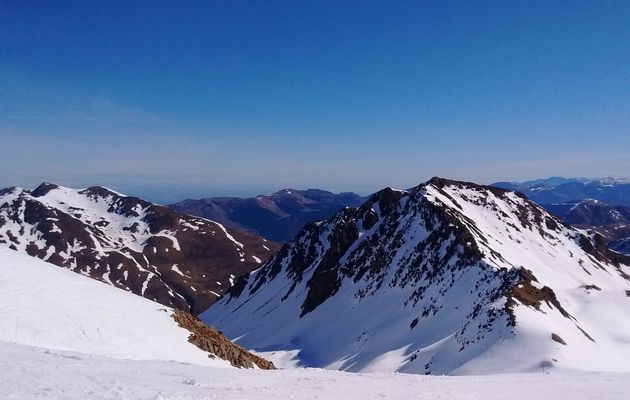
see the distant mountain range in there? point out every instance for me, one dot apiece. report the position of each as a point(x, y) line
point(277, 216)
point(446, 278)
point(175, 259)
point(561, 190)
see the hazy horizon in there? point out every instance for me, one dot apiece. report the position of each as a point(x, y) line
point(242, 98)
point(169, 193)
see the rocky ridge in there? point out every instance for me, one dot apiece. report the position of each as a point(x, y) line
point(216, 344)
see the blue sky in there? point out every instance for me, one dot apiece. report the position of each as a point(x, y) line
point(236, 97)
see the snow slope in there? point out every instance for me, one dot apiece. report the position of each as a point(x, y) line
point(54, 308)
point(450, 277)
point(29, 373)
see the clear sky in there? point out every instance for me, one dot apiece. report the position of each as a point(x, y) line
point(241, 97)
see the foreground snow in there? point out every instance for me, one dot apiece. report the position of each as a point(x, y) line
point(46, 306)
point(28, 373)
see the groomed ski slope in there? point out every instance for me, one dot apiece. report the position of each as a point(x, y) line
point(50, 307)
point(32, 373)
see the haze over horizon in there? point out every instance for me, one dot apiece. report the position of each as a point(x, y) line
point(241, 98)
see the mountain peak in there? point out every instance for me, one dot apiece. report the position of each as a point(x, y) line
point(104, 191)
point(43, 189)
point(450, 277)
point(446, 182)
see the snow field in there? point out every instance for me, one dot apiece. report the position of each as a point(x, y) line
point(50, 307)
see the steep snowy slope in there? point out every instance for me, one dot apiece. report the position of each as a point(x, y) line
point(174, 259)
point(53, 308)
point(450, 277)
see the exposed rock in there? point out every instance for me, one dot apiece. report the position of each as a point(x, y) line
point(44, 188)
point(529, 295)
point(558, 339)
point(214, 342)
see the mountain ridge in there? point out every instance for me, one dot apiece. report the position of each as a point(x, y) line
point(180, 261)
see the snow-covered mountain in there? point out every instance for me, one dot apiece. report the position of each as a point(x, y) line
point(57, 310)
point(150, 250)
point(277, 216)
point(449, 277)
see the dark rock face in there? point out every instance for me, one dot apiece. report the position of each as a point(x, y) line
point(44, 188)
point(150, 250)
point(525, 292)
point(278, 216)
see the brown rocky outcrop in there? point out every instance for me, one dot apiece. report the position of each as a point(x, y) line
point(214, 342)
